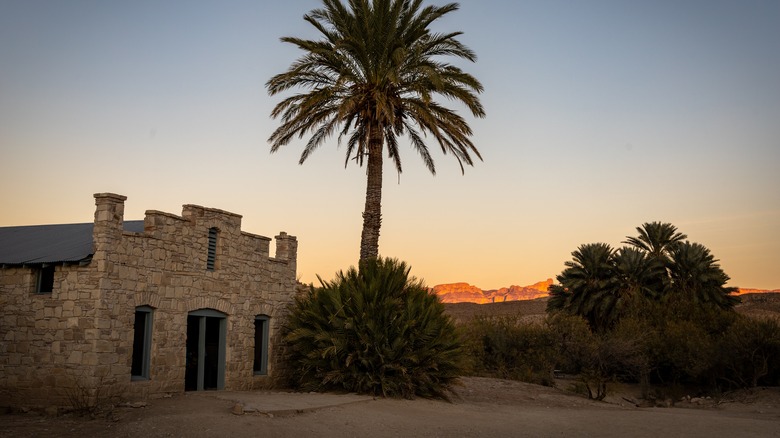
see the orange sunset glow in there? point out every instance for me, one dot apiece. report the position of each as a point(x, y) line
point(600, 117)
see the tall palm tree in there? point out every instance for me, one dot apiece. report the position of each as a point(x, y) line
point(373, 77)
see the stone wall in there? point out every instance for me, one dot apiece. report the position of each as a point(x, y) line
point(80, 337)
point(48, 347)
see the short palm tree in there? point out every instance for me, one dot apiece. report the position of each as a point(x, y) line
point(656, 238)
point(602, 285)
point(697, 276)
point(586, 283)
point(638, 276)
point(372, 78)
point(373, 330)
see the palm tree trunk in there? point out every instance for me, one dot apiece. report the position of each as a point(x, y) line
point(372, 214)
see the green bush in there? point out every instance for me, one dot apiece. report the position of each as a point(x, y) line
point(508, 348)
point(375, 331)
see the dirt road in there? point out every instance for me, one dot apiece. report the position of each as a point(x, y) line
point(483, 408)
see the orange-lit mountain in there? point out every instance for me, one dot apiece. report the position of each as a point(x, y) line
point(466, 293)
point(743, 291)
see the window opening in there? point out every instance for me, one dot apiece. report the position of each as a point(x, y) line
point(212, 252)
point(142, 343)
point(45, 280)
point(261, 345)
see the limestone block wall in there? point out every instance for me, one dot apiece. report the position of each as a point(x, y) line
point(48, 342)
point(81, 335)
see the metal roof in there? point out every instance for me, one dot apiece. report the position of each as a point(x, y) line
point(63, 243)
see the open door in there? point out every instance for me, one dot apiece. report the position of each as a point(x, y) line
point(206, 338)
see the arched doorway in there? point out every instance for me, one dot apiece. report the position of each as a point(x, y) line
point(206, 338)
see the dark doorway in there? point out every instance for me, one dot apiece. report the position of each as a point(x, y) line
point(205, 365)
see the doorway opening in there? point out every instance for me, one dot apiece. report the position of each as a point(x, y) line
point(206, 336)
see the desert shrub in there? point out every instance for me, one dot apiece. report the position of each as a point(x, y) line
point(683, 350)
point(599, 358)
point(617, 357)
point(631, 339)
point(509, 348)
point(683, 354)
point(376, 331)
point(750, 352)
point(677, 307)
point(91, 395)
point(573, 340)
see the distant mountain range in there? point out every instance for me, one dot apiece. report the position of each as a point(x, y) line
point(742, 291)
point(466, 293)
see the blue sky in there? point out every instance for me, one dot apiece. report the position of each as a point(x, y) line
point(601, 115)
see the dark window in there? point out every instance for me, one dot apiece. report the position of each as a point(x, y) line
point(45, 281)
point(212, 255)
point(261, 344)
point(142, 343)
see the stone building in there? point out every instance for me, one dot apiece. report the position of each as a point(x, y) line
point(135, 309)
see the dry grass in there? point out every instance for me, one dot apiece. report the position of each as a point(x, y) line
point(527, 309)
point(760, 305)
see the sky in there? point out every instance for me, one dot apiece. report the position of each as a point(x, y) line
point(601, 115)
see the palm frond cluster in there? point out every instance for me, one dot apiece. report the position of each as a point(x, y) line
point(603, 284)
point(374, 76)
point(375, 331)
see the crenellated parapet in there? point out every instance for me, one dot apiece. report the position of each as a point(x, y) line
point(191, 227)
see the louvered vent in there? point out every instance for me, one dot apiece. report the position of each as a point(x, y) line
point(212, 256)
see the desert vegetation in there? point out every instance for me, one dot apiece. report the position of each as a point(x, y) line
point(670, 352)
point(655, 312)
point(373, 330)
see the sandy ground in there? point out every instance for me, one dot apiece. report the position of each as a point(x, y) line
point(483, 408)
